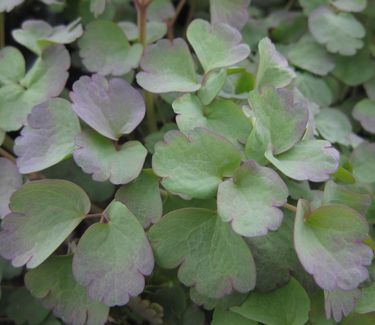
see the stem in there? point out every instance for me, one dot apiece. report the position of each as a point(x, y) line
point(290, 207)
point(170, 23)
point(7, 155)
point(150, 112)
point(193, 5)
point(2, 30)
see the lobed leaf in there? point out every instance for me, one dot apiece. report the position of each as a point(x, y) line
point(234, 13)
point(340, 303)
point(364, 112)
point(363, 162)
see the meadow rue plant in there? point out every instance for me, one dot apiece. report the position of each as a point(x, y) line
point(187, 162)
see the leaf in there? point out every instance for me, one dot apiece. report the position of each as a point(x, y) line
point(160, 10)
point(112, 259)
point(211, 257)
point(354, 319)
point(328, 242)
point(53, 283)
point(112, 108)
point(340, 303)
point(363, 162)
point(155, 30)
point(350, 5)
point(13, 65)
point(142, 197)
point(340, 32)
point(212, 86)
point(11, 180)
point(48, 136)
point(216, 45)
point(288, 305)
point(227, 317)
point(9, 5)
point(25, 309)
point(98, 156)
point(310, 56)
point(250, 200)
point(313, 160)
point(45, 79)
point(104, 49)
point(97, 7)
point(366, 303)
point(150, 312)
point(43, 214)
point(364, 112)
point(192, 113)
point(281, 114)
point(273, 69)
point(370, 88)
point(168, 67)
point(175, 160)
point(334, 126)
point(234, 13)
point(36, 35)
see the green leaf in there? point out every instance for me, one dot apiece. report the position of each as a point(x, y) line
point(334, 126)
point(234, 13)
point(313, 160)
point(168, 67)
point(314, 89)
point(355, 319)
point(288, 305)
point(112, 258)
point(227, 317)
point(340, 32)
point(160, 10)
point(282, 115)
point(23, 308)
point(212, 258)
point(36, 35)
point(45, 79)
point(8, 5)
point(54, 284)
point(216, 45)
point(363, 162)
point(176, 161)
point(370, 88)
point(192, 113)
point(48, 136)
point(97, 7)
point(155, 30)
point(350, 5)
point(11, 180)
point(142, 197)
point(105, 49)
point(44, 213)
point(329, 245)
point(310, 56)
point(366, 304)
point(273, 69)
point(364, 112)
point(98, 156)
point(340, 303)
point(13, 65)
point(250, 200)
point(211, 87)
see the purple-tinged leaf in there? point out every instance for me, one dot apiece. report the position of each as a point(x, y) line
point(364, 112)
point(112, 108)
point(340, 303)
point(11, 180)
point(251, 199)
point(234, 13)
point(211, 257)
point(216, 45)
point(112, 259)
point(313, 160)
point(329, 244)
point(43, 214)
point(48, 136)
point(168, 67)
point(160, 10)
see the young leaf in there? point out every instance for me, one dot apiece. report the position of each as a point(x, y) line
point(105, 49)
point(44, 214)
point(217, 45)
point(340, 303)
point(46, 79)
point(227, 317)
point(329, 245)
point(112, 259)
point(112, 108)
point(98, 156)
point(191, 113)
point(48, 136)
point(288, 305)
point(168, 67)
point(340, 32)
point(234, 13)
point(54, 284)
point(281, 114)
point(363, 162)
point(210, 256)
point(176, 161)
point(36, 35)
point(273, 69)
point(250, 200)
point(313, 160)
point(364, 112)
point(211, 87)
point(142, 197)
point(11, 180)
